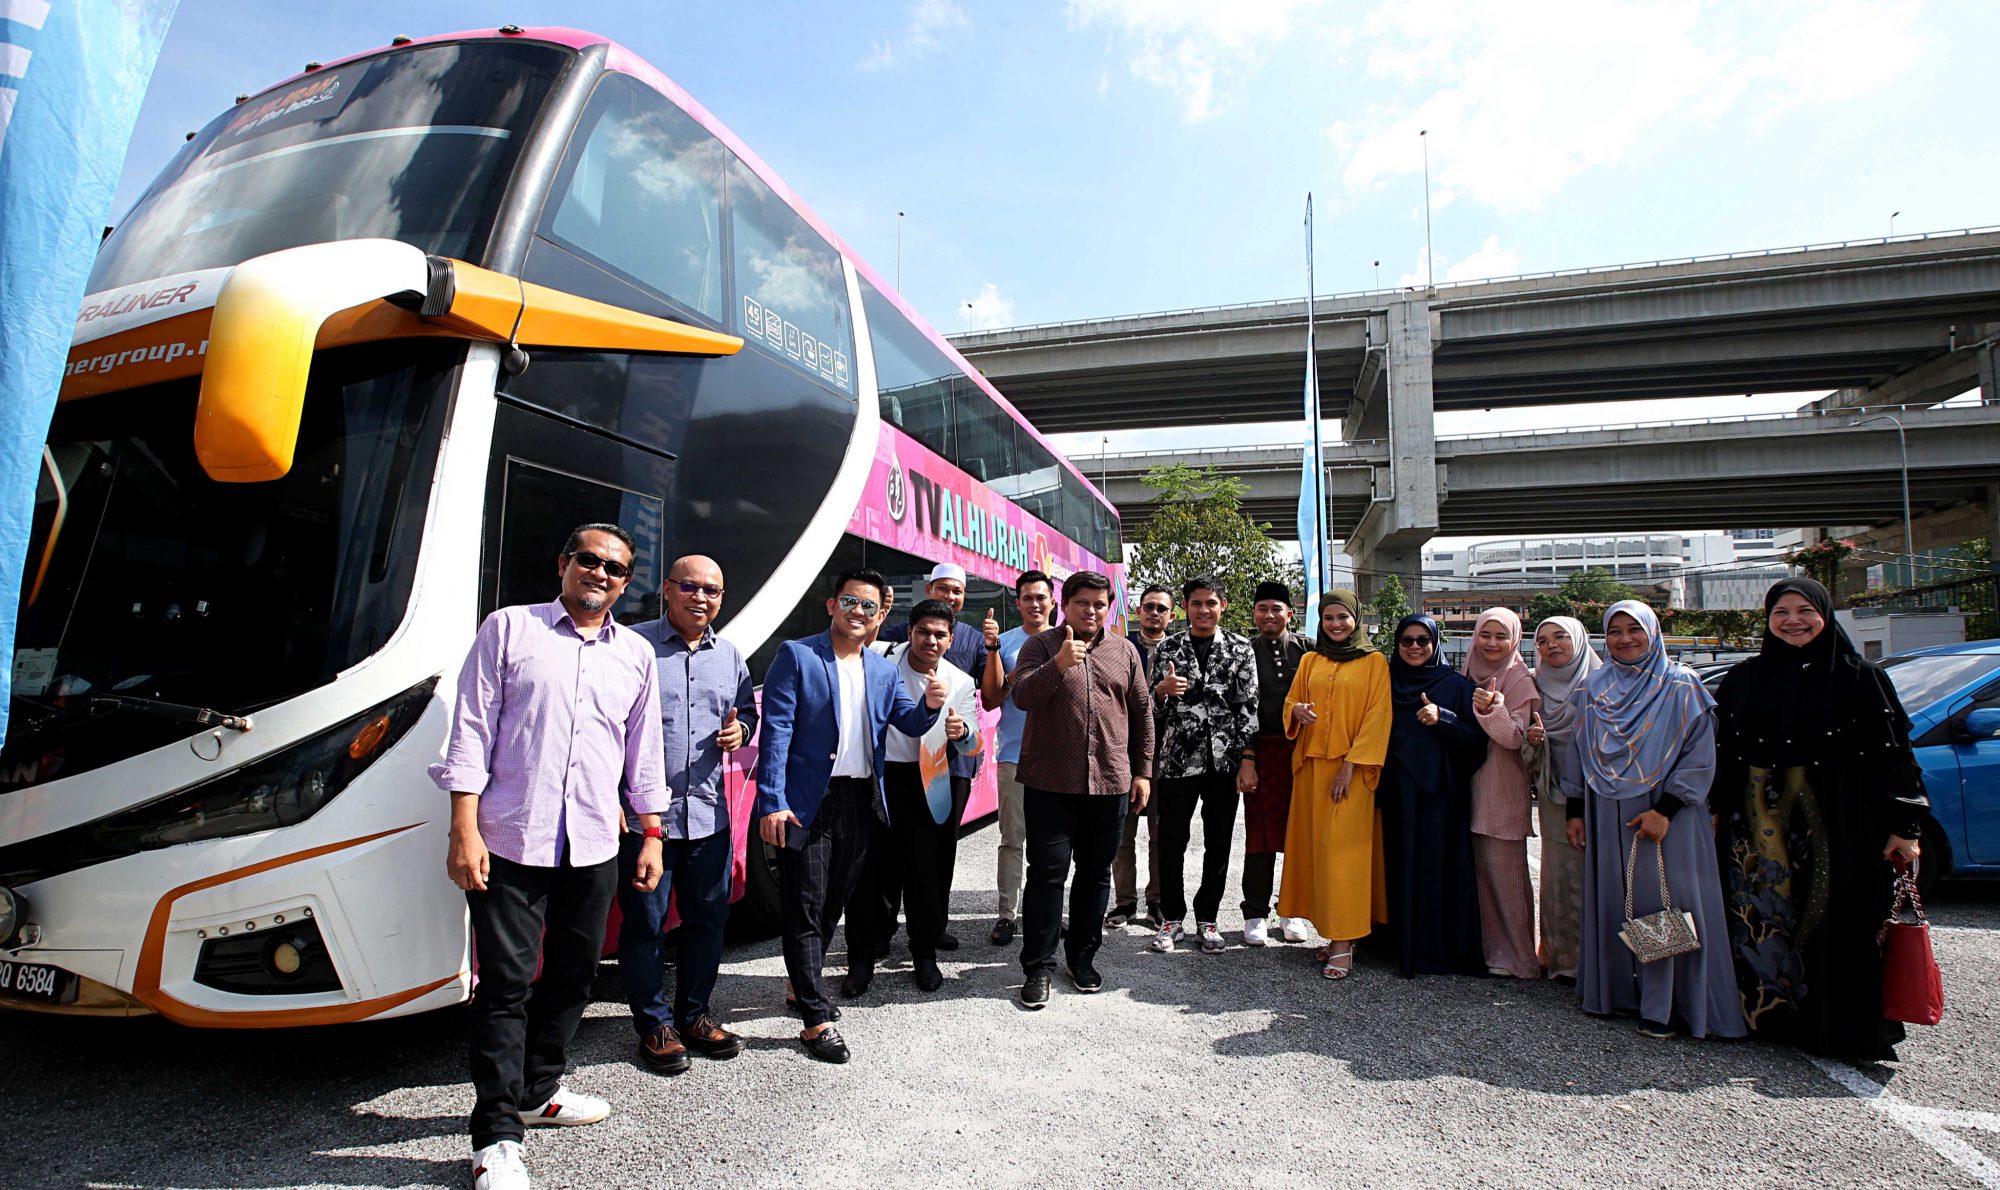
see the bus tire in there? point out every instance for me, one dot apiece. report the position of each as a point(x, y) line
point(761, 908)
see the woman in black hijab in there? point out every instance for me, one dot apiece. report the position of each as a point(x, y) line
point(1425, 796)
point(1816, 788)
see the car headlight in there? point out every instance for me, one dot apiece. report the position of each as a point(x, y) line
point(282, 789)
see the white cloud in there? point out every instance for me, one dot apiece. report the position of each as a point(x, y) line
point(930, 21)
point(1490, 260)
point(988, 310)
point(1199, 51)
point(1515, 108)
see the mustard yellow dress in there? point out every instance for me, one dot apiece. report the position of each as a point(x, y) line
point(1333, 853)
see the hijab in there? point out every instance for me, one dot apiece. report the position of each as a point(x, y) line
point(1346, 650)
point(1798, 704)
point(1557, 683)
point(1510, 675)
point(1409, 684)
point(1425, 754)
point(1644, 711)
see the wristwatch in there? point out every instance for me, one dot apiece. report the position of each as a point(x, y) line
point(653, 832)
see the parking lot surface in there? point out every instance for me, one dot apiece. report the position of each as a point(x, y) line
point(1243, 1068)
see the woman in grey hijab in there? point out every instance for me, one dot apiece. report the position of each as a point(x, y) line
point(1563, 659)
point(1642, 758)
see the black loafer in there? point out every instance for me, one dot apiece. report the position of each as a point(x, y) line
point(855, 985)
point(924, 972)
point(1003, 932)
point(947, 941)
point(827, 1046)
point(1035, 992)
point(1086, 978)
point(792, 1006)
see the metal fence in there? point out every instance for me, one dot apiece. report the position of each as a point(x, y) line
point(1977, 597)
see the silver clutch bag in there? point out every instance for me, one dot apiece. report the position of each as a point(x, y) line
point(1661, 935)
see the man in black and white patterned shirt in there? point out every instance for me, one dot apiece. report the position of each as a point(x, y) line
point(1205, 693)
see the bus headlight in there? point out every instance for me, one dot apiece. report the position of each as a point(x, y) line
point(13, 908)
point(282, 789)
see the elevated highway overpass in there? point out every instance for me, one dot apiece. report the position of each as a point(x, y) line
point(1912, 321)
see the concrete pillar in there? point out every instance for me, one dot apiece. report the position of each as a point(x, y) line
point(1989, 375)
point(1404, 512)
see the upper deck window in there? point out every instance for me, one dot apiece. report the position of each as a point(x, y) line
point(641, 194)
point(414, 145)
point(791, 293)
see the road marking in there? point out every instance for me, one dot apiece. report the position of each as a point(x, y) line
point(1928, 1124)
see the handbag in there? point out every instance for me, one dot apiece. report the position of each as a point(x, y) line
point(1912, 985)
point(1661, 935)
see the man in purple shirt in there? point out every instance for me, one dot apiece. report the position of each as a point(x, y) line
point(557, 714)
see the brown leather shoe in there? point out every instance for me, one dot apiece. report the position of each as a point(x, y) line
point(711, 1040)
point(663, 1051)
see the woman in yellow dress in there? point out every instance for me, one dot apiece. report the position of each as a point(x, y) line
point(1337, 712)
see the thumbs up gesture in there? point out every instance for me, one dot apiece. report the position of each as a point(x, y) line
point(1072, 651)
point(1170, 684)
point(730, 738)
point(954, 727)
point(1487, 696)
point(1536, 734)
point(935, 692)
point(992, 629)
point(1427, 714)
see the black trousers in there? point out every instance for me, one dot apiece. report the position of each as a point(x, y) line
point(1217, 796)
point(1062, 827)
point(521, 1023)
point(1260, 875)
point(818, 868)
point(911, 860)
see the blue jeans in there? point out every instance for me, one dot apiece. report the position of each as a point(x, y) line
point(697, 874)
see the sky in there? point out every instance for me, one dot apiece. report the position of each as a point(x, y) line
point(1094, 158)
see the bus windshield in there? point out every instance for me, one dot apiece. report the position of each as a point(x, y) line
point(415, 145)
point(146, 578)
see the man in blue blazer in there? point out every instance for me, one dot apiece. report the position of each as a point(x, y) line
point(829, 702)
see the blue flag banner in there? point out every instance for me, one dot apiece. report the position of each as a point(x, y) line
point(1312, 468)
point(72, 73)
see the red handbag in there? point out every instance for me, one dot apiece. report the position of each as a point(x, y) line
point(1912, 985)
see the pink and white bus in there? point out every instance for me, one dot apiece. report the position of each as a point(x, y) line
point(352, 366)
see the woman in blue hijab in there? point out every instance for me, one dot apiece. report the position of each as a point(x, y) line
point(1435, 745)
point(1642, 761)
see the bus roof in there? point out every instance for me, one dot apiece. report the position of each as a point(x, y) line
point(621, 59)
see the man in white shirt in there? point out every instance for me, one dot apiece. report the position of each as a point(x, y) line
point(926, 801)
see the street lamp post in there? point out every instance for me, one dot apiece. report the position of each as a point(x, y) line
point(899, 252)
point(1902, 444)
point(1892, 223)
point(1430, 261)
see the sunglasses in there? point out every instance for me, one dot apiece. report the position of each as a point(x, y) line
point(1412, 642)
point(1158, 609)
point(708, 589)
point(866, 607)
point(589, 561)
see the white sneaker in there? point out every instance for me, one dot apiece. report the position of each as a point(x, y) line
point(1255, 933)
point(500, 1166)
point(1211, 938)
point(567, 1109)
point(1169, 936)
point(1296, 929)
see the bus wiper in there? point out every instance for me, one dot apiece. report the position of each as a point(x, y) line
point(181, 712)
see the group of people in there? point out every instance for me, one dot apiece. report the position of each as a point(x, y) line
point(585, 764)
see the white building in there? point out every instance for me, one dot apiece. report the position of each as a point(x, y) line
point(1704, 570)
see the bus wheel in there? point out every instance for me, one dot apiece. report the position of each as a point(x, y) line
point(760, 906)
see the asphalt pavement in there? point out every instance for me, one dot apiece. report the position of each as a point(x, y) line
point(1243, 1068)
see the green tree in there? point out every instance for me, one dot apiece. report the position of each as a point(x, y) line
point(1200, 528)
point(1584, 595)
point(1388, 607)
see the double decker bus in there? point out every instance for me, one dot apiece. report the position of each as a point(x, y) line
point(348, 373)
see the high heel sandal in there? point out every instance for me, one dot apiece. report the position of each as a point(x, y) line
point(1327, 970)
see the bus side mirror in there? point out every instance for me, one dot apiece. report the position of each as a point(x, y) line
point(260, 346)
point(1981, 724)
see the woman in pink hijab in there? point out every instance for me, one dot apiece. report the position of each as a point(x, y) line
point(1506, 704)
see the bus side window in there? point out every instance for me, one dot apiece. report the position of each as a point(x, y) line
point(791, 290)
point(640, 194)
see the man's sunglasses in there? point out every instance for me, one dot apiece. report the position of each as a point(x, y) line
point(1412, 642)
point(866, 607)
point(589, 561)
point(1158, 609)
point(708, 589)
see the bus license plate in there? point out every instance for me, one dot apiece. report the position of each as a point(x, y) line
point(33, 981)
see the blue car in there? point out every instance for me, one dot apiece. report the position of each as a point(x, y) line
point(1952, 694)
